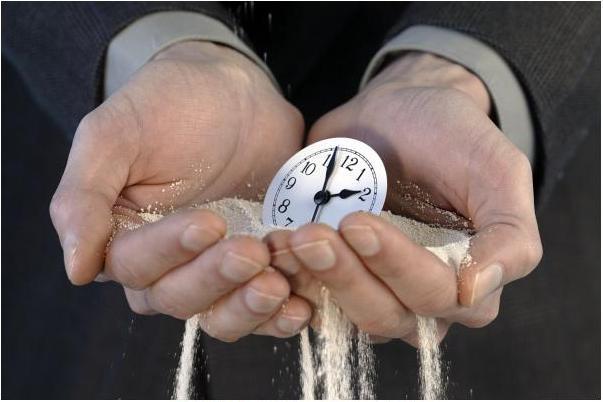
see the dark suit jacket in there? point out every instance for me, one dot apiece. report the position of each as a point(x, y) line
point(554, 49)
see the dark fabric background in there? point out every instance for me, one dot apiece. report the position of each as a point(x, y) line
point(59, 341)
point(318, 52)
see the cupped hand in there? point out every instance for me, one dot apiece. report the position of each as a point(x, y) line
point(198, 122)
point(428, 119)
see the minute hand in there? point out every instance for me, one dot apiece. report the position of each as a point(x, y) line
point(328, 173)
point(330, 168)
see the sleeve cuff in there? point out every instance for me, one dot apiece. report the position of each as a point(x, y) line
point(139, 42)
point(507, 95)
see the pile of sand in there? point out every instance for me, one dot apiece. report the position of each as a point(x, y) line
point(340, 364)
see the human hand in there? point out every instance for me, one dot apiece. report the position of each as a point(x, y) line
point(428, 119)
point(198, 122)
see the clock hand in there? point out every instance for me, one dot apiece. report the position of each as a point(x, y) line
point(346, 193)
point(315, 212)
point(323, 196)
point(330, 168)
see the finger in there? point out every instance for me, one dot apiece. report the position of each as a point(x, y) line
point(194, 286)
point(124, 219)
point(378, 340)
point(419, 279)
point(499, 254)
point(282, 258)
point(242, 311)
point(479, 315)
point(96, 171)
point(138, 258)
point(357, 291)
point(414, 339)
point(507, 245)
point(137, 300)
point(289, 320)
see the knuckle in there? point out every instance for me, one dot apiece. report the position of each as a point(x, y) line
point(126, 273)
point(221, 286)
point(137, 301)
point(136, 307)
point(434, 302)
point(139, 308)
point(93, 123)
point(384, 325)
point(387, 271)
point(521, 163)
point(534, 252)
point(293, 115)
point(88, 123)
point(57, 208)
point(371, 327)
point(167, 302)
point(165, 256)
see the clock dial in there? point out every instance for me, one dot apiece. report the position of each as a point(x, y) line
point(299, 194)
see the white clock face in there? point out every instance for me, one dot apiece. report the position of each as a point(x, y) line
point(299, 194)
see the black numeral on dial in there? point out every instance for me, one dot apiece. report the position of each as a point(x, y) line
point(289, 221)
point(284, 205)
point(309, 168)
point(352, 162)
point(290, 183)
point(367, 191)
point(360, 175)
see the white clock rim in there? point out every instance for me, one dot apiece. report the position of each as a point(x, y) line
point(363, 148)
point(309, 156)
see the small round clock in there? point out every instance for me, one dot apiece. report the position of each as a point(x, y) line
point(325, 182)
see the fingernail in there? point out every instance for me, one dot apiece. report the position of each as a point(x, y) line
point(261, 302)
point(196, 238)
point(285, 261)
point(69, 250)
point(289, 324)
point(362, 238)
point(317, 255)
point(238, 268)
point(486, 282)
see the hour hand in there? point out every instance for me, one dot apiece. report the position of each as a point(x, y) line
point(345, 193)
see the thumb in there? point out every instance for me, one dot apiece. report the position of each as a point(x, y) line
point(507, 245)
point(499, 253)
point(80, 209)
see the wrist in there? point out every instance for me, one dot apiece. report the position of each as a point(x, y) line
point(420, 69)
point(230, 60)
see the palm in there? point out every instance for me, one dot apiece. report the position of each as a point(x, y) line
point(425, 137)
point(196, 134)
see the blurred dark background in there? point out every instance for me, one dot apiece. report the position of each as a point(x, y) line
point(59, 341)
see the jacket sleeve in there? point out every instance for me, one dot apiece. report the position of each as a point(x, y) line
point(554, 51)
point(59, 48)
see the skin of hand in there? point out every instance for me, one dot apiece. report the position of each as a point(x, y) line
point(428, 119)
point(200, 121)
